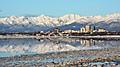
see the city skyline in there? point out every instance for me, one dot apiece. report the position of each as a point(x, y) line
point(58, 7)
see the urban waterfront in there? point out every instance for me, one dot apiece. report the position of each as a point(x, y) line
point(60, 33)
point(59, 52)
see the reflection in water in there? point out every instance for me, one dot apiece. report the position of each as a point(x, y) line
point(10, 47)
point(54, 44)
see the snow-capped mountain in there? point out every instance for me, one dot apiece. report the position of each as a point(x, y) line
point(44, 23)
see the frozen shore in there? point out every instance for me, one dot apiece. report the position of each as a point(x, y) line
point(63, 58)
point(38, 37)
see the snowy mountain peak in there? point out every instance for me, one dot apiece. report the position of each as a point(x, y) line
point(37, 23)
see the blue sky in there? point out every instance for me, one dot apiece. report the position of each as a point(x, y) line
point(58, 7)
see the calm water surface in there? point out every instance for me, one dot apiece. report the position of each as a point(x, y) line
point(10, 47)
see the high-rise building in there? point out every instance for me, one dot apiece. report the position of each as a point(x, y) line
point(82, 29)
point(87, 28)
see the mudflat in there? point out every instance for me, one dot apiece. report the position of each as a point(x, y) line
point(62, 58)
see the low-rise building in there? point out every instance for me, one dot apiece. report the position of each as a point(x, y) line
point(101, 30)
point(75, 31)
point(71, 31)
point(67, 31)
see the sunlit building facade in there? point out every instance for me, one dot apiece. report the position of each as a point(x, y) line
point(86, 29)
point(101, 30)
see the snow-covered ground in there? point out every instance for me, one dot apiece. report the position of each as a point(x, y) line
point(38, 37)
point(99, 36)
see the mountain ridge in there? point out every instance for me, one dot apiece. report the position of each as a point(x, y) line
point(42, 23)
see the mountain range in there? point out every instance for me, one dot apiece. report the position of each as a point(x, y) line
point(110, 22)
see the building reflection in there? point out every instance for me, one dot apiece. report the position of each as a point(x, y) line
point(78, 42)
point(81, 42)
point(87, 43)
point(75, 41)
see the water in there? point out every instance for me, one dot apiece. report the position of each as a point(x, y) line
point(10, 47)
point(29, 46)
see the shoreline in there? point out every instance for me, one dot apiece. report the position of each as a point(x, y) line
point(86, 37)
point(64, 58)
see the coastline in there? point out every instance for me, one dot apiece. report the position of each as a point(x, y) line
point(38, 37)
point(63, 58)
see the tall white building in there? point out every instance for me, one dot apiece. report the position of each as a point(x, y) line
point(82, 29)
point(86, 29)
